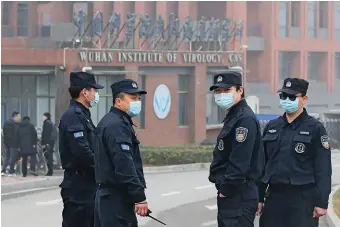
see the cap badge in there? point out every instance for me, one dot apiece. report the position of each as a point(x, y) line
point(219, 79)
point(134, 85)
point(288, 84)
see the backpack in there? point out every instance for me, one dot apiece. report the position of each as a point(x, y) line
point(54, 133)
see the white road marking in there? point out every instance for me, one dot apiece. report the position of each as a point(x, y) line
point(213, 207)
point(209, 223)
point(170, 193)
point(204, 187)
point(28, 190)
point(51, 202)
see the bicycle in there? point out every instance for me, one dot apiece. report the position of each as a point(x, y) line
point(41, 165)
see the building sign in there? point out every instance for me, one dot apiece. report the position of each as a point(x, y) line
point(162, 101)
point(158, 57)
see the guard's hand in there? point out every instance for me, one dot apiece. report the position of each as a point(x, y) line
point(319, 212)
point(141, 208)
point(221, 195)
point(259, 209)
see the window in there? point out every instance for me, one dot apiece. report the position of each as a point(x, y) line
point(285, 64)
point(312, 19)
point(295, 15)
point(6, 12)
point(22, 19)
point(314, 64)
point(105, 102)
point(283, 19)
point(323, 17)
point(337, 66)
point(215, 114)
point(337, 19)
point(45, 25)
point(45, 96)
point(183, 102)
point(142, 85)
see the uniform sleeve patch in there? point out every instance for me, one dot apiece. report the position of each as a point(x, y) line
point(78, 134)
point(325, 141)
point(125, 147)
point(241, 134)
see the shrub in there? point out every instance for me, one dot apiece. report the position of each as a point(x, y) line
point(176, 155)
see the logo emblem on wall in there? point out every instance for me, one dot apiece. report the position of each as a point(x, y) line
point(162, 101)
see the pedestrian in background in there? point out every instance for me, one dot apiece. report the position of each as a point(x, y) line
point(76, 135)
point(119, 168)
point(10, 129)
point(48, 138)
point(27, 139)
point(238, 157)
point(298, 172)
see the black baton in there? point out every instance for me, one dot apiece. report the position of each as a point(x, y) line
point(148, 215)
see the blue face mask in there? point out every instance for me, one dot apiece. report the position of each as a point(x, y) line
point(95, 101)
point(135, 108)
point(224, 100)
point(289, 106)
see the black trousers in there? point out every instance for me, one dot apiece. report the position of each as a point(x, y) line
point(236, 211)
point(33, 163)
point(78, 193)
point(112, 209)
point(12, 156)
point(49, 158)
point(289, 206)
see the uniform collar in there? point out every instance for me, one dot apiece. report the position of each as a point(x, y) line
point(235, 109)
point(297, 121)
point(81, 106)
point(121, 113)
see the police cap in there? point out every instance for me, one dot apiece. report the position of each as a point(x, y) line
point(84, 79)
point(227, 80)
point(293, 86)
point(126, 86)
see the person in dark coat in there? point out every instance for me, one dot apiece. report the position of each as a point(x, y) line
point(27, 140)
point(48, 140)
point(10, 128)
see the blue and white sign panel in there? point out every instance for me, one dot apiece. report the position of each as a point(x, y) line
point(162, 101)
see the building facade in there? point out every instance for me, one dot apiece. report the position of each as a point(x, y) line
point(300, 39)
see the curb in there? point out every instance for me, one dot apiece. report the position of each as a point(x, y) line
point(18, 189)
point(177, 168)
point(332, 219)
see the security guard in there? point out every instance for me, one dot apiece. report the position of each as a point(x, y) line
point(298, 169)
point(119, 169)
point(76, 134)
point(238, 158)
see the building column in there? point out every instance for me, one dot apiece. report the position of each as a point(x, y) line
point(197, 104)
point(274, 70)
point(62, 12)
point(33, 19)
point(186, 8)
point(106, 9)
point(144, 8)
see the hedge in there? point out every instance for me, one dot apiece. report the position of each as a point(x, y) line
point(176, 155)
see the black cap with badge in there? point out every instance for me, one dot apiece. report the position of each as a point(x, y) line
point(227, 80)
point(126, 86)
point(84, 79)
point(293, 86)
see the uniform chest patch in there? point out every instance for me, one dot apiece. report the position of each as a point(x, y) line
point(272, 130)
point(78, 134)
point(300, 148)
point(325, 141)
point(220, 145)
point(125, 147)
point(241, 134)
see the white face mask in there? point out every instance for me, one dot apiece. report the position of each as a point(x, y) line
point(95, 101)
point(224, 100)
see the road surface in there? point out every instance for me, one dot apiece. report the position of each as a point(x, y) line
point(184, 199)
